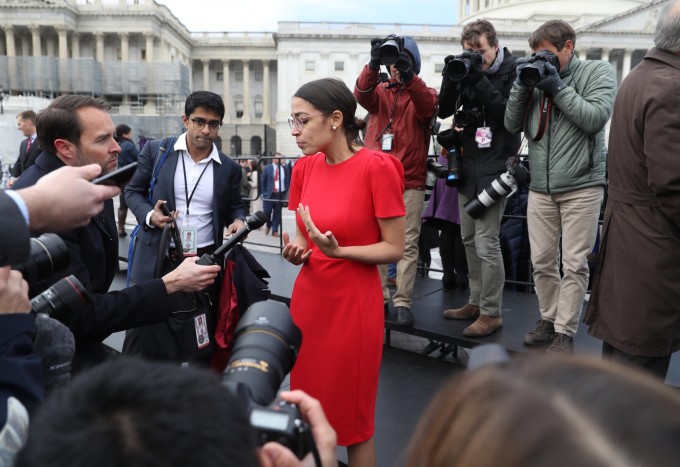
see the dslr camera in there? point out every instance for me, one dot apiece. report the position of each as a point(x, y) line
point(505, 185)
point(266, 344)
point(64, 300)
point(390, 48)
point(531, 74)
point(464, 118)
point(458, 67)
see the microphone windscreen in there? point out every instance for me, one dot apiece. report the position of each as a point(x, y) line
point(55, 344)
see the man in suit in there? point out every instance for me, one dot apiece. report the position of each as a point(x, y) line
point(76, 131)
point(29, 149)
point(202, 187)
point(275, 183)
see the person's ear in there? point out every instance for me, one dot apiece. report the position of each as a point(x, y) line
point(65, 149)
point(336, 119)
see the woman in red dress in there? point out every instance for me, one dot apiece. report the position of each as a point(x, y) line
point(350, 218)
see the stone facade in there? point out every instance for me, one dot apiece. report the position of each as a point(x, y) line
point(139, 57)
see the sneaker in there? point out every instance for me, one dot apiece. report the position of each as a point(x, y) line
point(562, 343)
point(483, 326)
point(467, 312)
point(543, 334)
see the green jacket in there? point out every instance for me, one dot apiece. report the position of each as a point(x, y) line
point(571, 154)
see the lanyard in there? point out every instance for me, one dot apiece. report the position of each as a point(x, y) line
point(186, 188)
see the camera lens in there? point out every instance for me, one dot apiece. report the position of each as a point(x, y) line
point(389, 52)
point(266, 343)
point(48, 254)
point(532, 74)
point(64, 301)
point(458, 69)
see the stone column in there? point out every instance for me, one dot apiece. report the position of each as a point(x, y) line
point(627, 55)
point(605, 54)
point(225, 91)
point(99, 36)
point(75, 44)
point(124, 47)
point(149, 46)
point(206, 75)
point(35, 36)
point(266, 94)
point(246, 91)
point(63, 42)
point(11, 56)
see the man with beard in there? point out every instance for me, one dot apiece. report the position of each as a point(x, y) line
point(77, 131)
point(201, 186)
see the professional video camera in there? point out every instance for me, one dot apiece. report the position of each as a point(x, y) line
point(505, 184)
point(390, 48)
point(450, 140)
point(531, 74)
point(457, 67)
point(266, 344)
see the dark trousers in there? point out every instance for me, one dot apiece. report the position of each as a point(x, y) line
point(656, 365)
point(272, 209)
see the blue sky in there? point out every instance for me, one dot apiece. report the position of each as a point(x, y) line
point(263, 15)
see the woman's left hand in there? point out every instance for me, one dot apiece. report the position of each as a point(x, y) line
point(326, 242)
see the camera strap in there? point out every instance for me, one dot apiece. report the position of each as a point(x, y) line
point(394, 107)
point(543, 117)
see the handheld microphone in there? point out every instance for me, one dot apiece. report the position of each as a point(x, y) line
point(55, 344)
point(253, 222)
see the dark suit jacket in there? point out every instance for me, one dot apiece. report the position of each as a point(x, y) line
point(26, 160)
point(14, 235)
point(93, 252)
point(227, 202)
point(267, 179)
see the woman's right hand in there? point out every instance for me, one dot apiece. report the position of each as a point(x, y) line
point(293, 253)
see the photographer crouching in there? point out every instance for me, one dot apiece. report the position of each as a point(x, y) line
point(475, 89)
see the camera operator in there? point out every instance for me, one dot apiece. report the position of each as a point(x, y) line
point(156, 414)
point(482, 94)
point(75, 131)
point(401, 111)
point(563, 117)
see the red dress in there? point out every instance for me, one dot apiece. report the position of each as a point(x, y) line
point(338, 304)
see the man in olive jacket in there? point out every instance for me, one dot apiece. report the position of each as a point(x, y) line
point(635, 303)
point(563, 117)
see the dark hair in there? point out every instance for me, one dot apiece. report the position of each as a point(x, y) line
point(121, 130)
point(330, 94)
point(545, 410)
point(555, 31)
point(473, 31)
point(27, 115)
point(206, 99)
point(59, 120)
point(135, 413)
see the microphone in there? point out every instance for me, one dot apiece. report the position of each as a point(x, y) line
point(253, 222)
point(55, 344)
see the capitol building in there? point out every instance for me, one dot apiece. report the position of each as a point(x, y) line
point(141, 59)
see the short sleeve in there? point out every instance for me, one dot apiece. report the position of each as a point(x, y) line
point(386, 179)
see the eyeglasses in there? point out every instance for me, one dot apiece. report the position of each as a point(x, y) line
point(200, 123)
point(298, 122)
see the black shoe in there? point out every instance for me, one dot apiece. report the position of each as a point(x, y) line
point(543, 334)
point(404, 316)
point(562, 343)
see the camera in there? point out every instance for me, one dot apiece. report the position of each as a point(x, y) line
point(48, 254)
point(266, 344)
point(458, 67)
point(464, 118)
point(64, 301)
point(390, 48)
point(450, 140)
point(504, 185)
point(531, 74)
point(434, 171)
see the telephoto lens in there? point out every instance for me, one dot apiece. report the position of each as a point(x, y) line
point(48, 254)
point(64, 301)
point(503, 185)
point(454, 174)
point(389, 50)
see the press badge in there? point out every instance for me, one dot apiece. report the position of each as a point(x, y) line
point(189, 233)
point(483, 137)
point(201, 326)
point(387, 139)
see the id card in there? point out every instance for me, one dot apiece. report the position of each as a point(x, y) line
point(202, 338)
point(483, 137)
point(189, 233)
point(387, 140)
